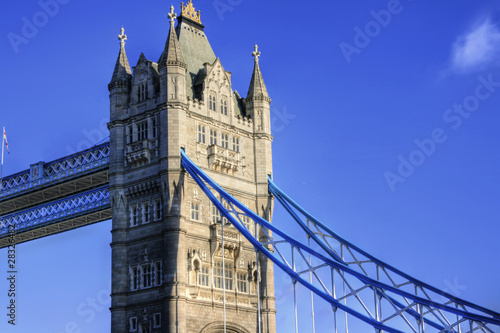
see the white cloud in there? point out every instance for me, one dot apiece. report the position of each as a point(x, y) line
point(477, 49)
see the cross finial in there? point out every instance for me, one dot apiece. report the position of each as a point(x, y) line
point(256, 53)
point(172, 15)
point(122, 37)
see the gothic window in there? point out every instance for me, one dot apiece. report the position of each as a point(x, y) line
point(142, 131)
point(245, 221)
point(146, 276)
point(157, 320)
point(219, 274)
point(195, 211)
point(212, 102)
point(215, 214)
point(223, 106)
point(142, 92)
point(242, 282)
point(130, 134)
point(135, 278)
point(229, 275)
point(134, 216)
point(145, 213)
point(155, 128)
point(203, 276)
point(236, 144)
point(201, 134)
point(133, 324)
point(157, 209)
point(224, 140)
point(225, 204)
point(213, 137)
point(157, 273)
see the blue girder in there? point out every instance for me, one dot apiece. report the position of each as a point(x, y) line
point(236, 209)
point(56, 211)
point(47, 174)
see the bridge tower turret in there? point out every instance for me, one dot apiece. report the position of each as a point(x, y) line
point(167, 252)
point(258, 107)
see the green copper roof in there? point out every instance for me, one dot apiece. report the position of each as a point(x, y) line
point(195, 48)
point(196, 51)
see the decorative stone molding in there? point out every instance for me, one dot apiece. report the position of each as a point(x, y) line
point(150, 187)
point(140, 153)
point(223, 160)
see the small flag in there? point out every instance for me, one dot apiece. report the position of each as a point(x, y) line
point(5, 139)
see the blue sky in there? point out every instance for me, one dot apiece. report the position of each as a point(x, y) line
point(385, 117)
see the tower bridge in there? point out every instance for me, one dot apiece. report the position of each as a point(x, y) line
point(187, 180)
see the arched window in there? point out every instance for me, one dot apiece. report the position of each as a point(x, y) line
point(212, 102)
point(226, 276)
point(242, 282)
point(203, 276)
point(223, 106)
point(201, 134)
point(213, 137)
point(224, 140)
point(142, 92)
point(236, 144)
point(195, 212)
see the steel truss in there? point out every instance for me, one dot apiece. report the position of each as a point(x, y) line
point(42, 174)
point(350, 280)
point(57, 211)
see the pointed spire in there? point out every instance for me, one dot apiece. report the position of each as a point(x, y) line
point(172, 54)
point(122, 70)
point(257, 88)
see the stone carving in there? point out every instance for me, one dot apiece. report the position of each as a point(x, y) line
point(190, 12)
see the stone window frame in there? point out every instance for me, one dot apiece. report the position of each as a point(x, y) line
point(215, 215)
point(218, 275)
point(157, 273)
point(154, 125)
point(226, 205)
point(144, 276)
point(236, 144)
point(203, 276)
point(212, 101)
point(146, 212)
point(133, 322)
point(157, 214)
point(213, 136)
point(242, 279)
point(224, 140)
point(139, 209)
point(130, 133)
point(134, 215)
point(138, 273)
point(195, 211)
point(157, 320)
point(223, 105)
point(142, 92)
point(135, 278)
point(142, 130)
point(201, 134)
point(245, 219)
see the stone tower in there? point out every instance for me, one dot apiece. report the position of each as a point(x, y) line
point(167, 243)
